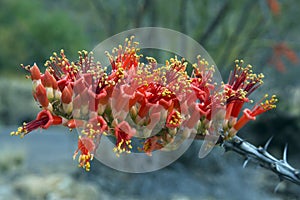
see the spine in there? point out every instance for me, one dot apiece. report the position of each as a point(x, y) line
point(261, 156)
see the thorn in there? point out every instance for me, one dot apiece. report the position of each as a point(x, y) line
point(267, 143)
point(245, 162)
point(278, 186)
point(285, 153)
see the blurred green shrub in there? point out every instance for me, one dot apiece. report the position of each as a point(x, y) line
point(30, 30)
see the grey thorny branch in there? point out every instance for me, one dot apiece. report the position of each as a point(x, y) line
point(262, 157)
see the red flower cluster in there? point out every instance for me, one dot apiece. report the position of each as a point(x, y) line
point(242, 82)
point(131, 99)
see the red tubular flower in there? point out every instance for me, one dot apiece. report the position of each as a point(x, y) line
point(60, 67)
point(203, 88)
point(98, 124)
point(237, 106)
point(174, 119)
point(205, 109)
point(155, 93)
point(201, 80)
point(151, 144)
point(86, 146)
point(43, 120)
point(258, 109)
point(125, 57)
point(241, 83)
point(247, 116)
point(123, 133)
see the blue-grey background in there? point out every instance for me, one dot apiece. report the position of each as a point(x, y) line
point(40, 166)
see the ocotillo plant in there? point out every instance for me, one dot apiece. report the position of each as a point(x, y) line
point(99, 101)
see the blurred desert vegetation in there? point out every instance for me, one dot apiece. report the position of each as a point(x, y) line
point(264, 33)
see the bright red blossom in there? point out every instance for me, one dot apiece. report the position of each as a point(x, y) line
point(85, 146)
point(123, 133)
point(241, 83)
point(43, 120)
point(258, 109)
point(152, 144)
point(174, 119)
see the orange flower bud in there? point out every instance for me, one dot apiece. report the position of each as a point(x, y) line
point(35, 72)
point(66, 96)
point(41, 95)
point(47, 79)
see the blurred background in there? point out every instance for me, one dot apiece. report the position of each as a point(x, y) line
point(263, 33)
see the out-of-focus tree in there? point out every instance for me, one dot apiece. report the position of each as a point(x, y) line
point(29, 31)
